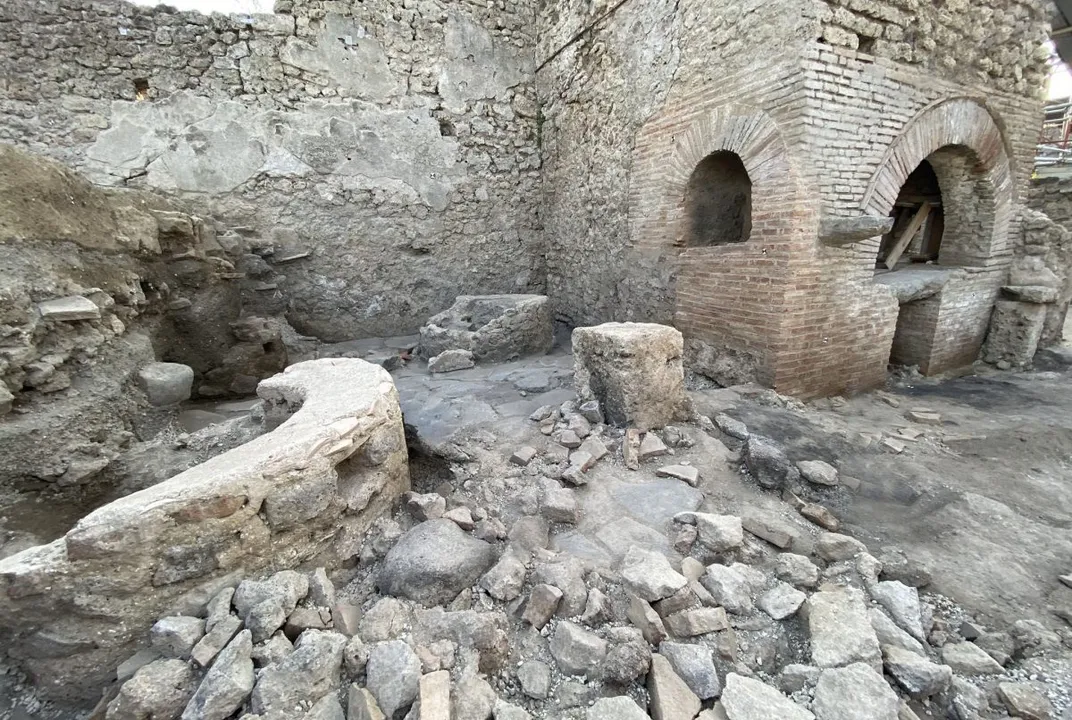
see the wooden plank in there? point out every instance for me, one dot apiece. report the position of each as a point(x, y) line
point(917, 200)
point(909, 233)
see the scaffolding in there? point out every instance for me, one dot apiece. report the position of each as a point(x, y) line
point(1054, 149)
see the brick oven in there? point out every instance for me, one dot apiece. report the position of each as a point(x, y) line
point(768, 185)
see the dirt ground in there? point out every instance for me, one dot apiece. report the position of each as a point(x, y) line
point(984, 499)
point(981, 497)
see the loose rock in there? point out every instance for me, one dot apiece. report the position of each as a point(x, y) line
point(543, 602)
point(729, 588)
point(504, 580)
point(176, 636)
point(719, 533)
point(685, 473)
point(393, 673)
point(902, 603)
point(841, 632)
point(781, 601)
point(227, 683)
point(697, 621)
point(855, 692)
point(796, 570)
point(766, 462)
point(433, 562)
point(535, 679)
point(616, 708)
point(1024, 701)
point(671, 698)
point(749, 699)
point(648, 575)
point(158, 690)
point(652, 446)
point(818, 472)
point(577, 651)
point(450, 361)
point(969, 659)
point(694, 665)
point(919, 677)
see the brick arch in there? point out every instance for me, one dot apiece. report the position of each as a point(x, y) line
point(660, 184)
point(951, 123)
point(731, 301)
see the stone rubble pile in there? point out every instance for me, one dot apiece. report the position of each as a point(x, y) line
point(458, 611)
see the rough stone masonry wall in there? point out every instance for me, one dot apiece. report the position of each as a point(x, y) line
point(304, 493)
point(797, 314)
point(1052, 196)
point(395, 141)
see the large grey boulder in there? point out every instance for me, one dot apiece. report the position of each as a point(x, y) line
point(166, 383)
point(227, 683)
point(393, 676)
point(491, 327)
point(855, 692)
point(634, 371)
point(749, 699)
point(158, 690)
point(433, 562)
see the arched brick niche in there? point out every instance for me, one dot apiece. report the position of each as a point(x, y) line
point(729, 162)
point(961, 140)
point(964, 145)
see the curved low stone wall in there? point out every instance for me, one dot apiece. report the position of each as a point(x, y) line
point(304, 493)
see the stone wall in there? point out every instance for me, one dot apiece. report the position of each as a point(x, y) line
point(96, 283)
point(1052, 195)
point(998, 42)
point(395, 142)
point(825, 132)
point(303, 494)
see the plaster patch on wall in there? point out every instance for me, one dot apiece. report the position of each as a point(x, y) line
point(346, 56)
point(475, 67)
point(190, 144)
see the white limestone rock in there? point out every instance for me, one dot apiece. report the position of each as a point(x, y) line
point(841, 632)
point(166, 383)
point(634, 371)
point(749, 699)
point(855, 692)
point(648, 575)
